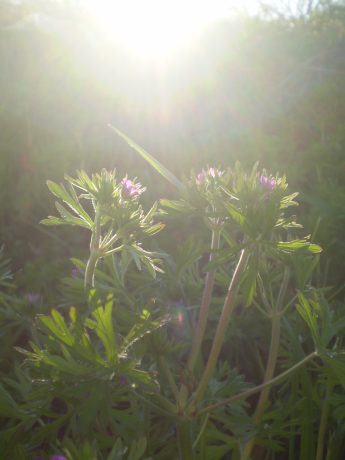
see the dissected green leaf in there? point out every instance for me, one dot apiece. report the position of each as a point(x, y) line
point(56, 324)
point(337, 365)
point(310, 316)
point(137, 449)
point(105, 330)
point(60, 192)
point(291, 246)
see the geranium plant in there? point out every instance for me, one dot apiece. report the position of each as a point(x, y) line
point(146, 365)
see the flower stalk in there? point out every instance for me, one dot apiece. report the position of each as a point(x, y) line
point(251, 391)
point(221, 329)
point(184, 440)
point(205, 303)
point(89, 280)
point(271, 364)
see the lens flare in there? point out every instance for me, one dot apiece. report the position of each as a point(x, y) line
point(154, 28)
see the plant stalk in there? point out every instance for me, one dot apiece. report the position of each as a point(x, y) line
point(89, 280)
point(251, 391)
point(271, 364)
point(184, 440)
point(221, 328)
point(205, 304)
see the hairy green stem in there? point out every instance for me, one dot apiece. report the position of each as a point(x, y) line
point(184, 440)
point(271, 364)
point(221, 328)
point(251, 391)
point(205, 304)
point(89, 280)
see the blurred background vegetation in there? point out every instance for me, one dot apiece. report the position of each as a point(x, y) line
point(267, 87)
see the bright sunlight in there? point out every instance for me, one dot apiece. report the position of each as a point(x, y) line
point(155, 29)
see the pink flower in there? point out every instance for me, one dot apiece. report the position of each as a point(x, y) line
point(214, 172)
point(130, 189)
point(204, 175)
point(268, 182)
point(200, 178)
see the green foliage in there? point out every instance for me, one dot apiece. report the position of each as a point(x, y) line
point(83, 377)
point(126, 342)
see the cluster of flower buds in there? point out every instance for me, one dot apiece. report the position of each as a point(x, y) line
point(210, 173)
point(131, 189)
point(268, 182)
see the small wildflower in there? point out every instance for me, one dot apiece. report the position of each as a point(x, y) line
point(32, 297)
point(211, 172)
point(268, 182)
point(130, 189)
point(74, 272)
point(58, 457)
point(200, 178)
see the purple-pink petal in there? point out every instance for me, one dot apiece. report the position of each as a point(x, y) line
point(214, 172)
point(273, 184)
point(211, 172)
point(268, 182)
point(200, 178)
point(130, 189)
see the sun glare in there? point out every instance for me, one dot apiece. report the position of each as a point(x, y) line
point(154, 28)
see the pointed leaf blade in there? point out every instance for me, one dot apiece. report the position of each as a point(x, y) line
point(163, 171)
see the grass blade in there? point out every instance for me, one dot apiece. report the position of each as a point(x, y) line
point(163, 171)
